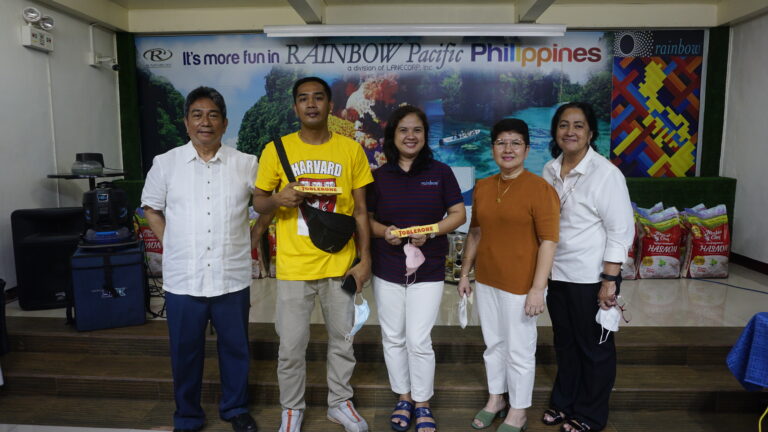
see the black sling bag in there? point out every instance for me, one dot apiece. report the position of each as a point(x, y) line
point(329, 232)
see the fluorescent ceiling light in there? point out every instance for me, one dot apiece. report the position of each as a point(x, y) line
point(324, 30)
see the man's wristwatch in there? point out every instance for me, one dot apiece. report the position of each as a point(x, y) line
point(609, 278)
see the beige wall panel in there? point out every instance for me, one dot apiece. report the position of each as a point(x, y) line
point(102, 11)
point(631, 15)
point(744, 152)
point(210, 20)
point(738, 10)
point(420, 14)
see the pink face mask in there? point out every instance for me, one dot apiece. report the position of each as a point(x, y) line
point(413, 258)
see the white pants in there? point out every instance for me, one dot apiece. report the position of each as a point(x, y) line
point(407, 316)
point(510, 340)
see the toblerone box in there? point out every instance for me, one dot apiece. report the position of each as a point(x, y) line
point(421, 229)
point(319, 190)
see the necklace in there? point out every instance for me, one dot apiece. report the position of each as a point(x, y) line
point(498, 188)
point(568, 193)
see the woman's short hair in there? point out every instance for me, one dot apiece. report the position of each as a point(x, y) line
point(390, 149)
point(589, 113)
point(511, 125)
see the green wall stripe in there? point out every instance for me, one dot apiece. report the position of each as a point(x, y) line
point(714, 102)
point(129, 106)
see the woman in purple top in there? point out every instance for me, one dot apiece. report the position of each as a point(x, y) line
point(411, 189)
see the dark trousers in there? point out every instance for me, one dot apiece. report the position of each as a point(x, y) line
point(187, 320)
point(586, 370)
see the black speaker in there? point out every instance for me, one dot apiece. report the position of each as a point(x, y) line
point(43, 243)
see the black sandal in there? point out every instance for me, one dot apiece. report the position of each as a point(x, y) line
point(576, 426)
point(557, 418)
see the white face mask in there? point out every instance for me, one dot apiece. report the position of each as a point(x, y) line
point(609, 320)
point(463, 311)
point(362, 311)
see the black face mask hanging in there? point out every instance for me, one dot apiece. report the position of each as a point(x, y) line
point(329, 232)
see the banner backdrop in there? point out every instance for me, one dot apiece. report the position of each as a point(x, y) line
point(655, 102)
point(464, 85)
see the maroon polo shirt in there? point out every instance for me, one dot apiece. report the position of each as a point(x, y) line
point(406, 199)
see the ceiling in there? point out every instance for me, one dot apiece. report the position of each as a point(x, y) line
point(196, 4)
point(195, 16)
point(175, 4)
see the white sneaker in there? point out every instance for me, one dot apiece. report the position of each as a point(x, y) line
point(346, 415)
point(291, 420)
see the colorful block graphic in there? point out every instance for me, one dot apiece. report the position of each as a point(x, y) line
point(655, 115)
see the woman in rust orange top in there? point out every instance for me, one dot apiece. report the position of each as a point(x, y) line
point(511, 242)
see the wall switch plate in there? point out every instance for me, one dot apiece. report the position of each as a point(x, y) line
point(32, 37)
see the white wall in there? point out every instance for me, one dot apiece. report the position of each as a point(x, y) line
point(52, 106)
point(745, 140)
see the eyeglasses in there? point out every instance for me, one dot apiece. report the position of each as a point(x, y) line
point(516, 144)
point(626, 315)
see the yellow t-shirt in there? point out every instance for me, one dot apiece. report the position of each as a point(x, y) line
point(340, 162)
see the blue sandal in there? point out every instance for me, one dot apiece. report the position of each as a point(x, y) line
point(422, 412)
point(395, 419)
point(576, 426)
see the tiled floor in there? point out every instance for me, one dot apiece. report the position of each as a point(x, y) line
point(652, 302)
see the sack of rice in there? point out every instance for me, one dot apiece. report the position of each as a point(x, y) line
point(256, 266)
point(686, 231)
point(629, 268)
point(272, 236)
point(153, 249)
point(708, 245)
point(660, 245)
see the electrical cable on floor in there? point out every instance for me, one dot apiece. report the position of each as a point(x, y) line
point(760, 422)
point(732, 286)
point(155, 290)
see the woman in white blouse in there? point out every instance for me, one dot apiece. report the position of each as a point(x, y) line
point(596, 231)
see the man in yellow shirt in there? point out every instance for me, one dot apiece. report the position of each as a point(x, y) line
point(317, 158)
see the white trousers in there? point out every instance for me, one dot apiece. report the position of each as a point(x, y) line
point(510, 340)
point(407, 316)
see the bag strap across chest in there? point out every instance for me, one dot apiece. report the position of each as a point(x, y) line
point(284, 159)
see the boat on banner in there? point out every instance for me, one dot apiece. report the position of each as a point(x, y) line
point(461, 137)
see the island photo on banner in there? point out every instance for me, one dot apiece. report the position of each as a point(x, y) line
point(464, 85)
